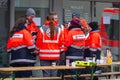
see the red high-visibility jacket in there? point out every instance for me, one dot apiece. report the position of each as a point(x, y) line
point(49, 49)
point(31, 27)
point(75, 38)
point(93, 42)
point(64, 32)
point(21, 47)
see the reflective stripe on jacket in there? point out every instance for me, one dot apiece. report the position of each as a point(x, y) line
point(75, 37)
point(49, 49)
point(93, 42)
point(21, 45)
point(64, 34)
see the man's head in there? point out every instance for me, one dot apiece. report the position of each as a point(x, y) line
point(54, 16)
point(30, 13)
point(94, 25)
point(76, 14)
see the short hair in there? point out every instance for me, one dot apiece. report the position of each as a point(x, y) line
point(53, 13)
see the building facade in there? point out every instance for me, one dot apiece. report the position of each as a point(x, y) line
point(91, 10)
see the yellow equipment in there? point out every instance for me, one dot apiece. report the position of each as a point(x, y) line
point(83, 63)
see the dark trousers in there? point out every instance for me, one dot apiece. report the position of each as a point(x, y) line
point(62, 61)
point(74, 54)
point(22, 74)
point(96, 54)
point(89, 53)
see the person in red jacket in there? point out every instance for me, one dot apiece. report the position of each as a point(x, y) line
point(64, 33)
point(75, 42)
point(31, 25)
point(93, 42)
point(21, 47)
point(48, 44)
